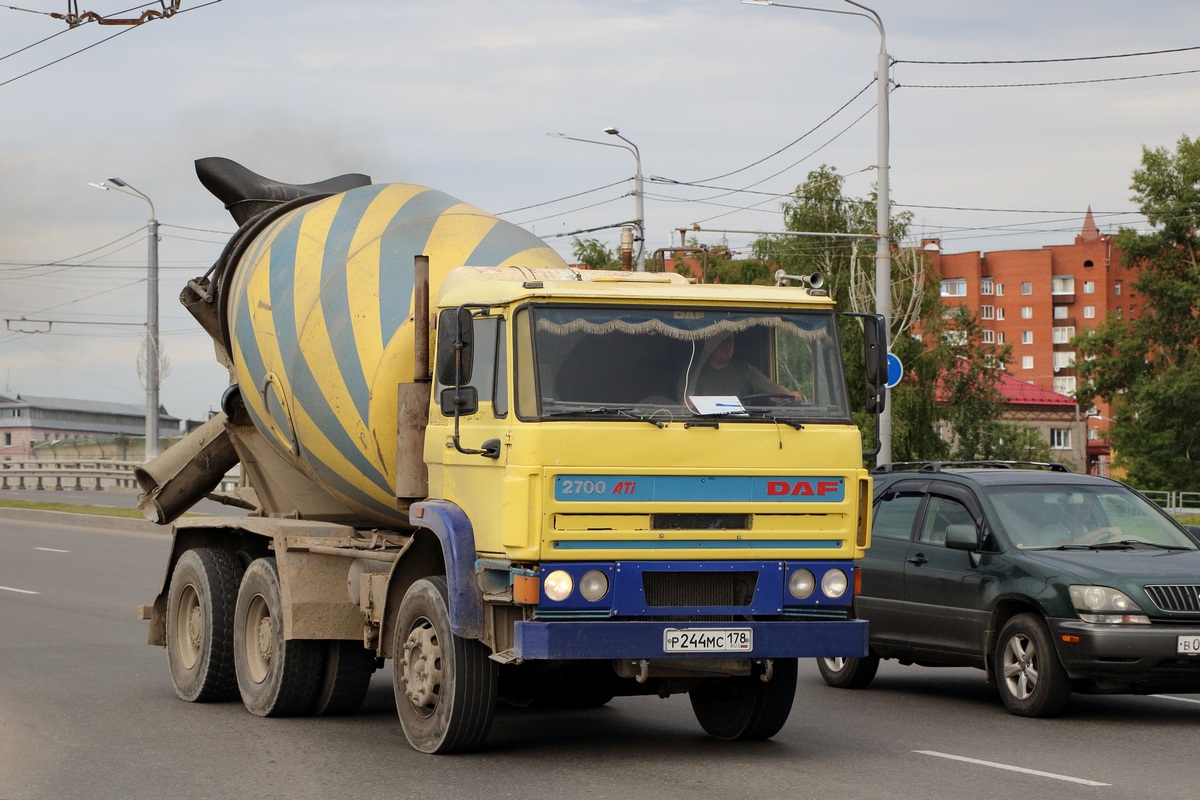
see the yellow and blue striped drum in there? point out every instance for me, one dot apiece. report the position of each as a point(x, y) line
point(321, 321)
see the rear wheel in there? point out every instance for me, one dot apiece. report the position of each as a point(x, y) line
point(200, 606)
point(345, 678)
point(745, 707)
point(276, 677)
point(1030, 677)
point(445, 685)
point(849, 673)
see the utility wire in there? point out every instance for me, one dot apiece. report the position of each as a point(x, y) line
point(568, 197)
point(805, 135)
point(1050, 60)
point(88, 47)
point(1047, 83)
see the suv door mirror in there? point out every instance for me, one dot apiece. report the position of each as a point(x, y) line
point(962, 537)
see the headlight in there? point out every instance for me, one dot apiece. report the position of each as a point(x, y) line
point(593, 585)
point(1100, 604)
point(801, 584)
point(834, 583)
point(558, 585)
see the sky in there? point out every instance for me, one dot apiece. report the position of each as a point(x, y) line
point(729, 105)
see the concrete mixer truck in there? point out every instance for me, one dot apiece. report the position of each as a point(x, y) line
point(509, 478)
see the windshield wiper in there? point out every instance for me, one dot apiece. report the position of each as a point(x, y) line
point(1124, 544)
point(755, 415)
point(616, 411)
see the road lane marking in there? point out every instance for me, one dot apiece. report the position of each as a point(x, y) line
point(1173, 697)
point(51, 550)
point(18, 591)
point(1011, 768)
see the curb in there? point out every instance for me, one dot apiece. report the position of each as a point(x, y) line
point(93, 521)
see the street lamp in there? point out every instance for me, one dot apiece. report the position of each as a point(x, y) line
point(883, 253)
point(152, 357)
point(638, 194)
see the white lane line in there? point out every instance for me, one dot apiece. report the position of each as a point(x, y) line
point(1173, 697)
point(1011, 768)
point(51, 550)
point(18, 591)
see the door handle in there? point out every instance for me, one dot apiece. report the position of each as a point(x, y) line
point(918, 560)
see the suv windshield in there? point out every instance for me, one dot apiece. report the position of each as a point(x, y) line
point(1082, 516)
point(604, 361)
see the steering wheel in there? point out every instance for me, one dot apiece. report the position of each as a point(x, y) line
point(1099, 536)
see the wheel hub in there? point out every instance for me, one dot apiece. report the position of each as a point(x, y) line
point(266, 642)
point(422, 667)
point(195, 628)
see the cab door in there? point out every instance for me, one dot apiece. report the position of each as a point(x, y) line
point(475, 481)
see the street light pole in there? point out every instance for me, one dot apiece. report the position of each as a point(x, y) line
point(638, 193)
point(883, 205)
point(152, 357)
point(638, 196)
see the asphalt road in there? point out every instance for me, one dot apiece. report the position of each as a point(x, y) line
point(87, 711)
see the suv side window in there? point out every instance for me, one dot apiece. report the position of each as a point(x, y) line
point(940, 513)
point(896, 511)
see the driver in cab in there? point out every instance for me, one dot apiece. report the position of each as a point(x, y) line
point(722, 374)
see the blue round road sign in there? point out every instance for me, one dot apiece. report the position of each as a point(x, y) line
point(895, 370)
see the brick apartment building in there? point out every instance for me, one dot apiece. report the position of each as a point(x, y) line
point(1037, 301)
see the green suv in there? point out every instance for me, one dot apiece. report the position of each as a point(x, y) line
point(1052, 582)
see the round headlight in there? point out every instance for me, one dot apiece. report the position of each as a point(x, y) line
point(801, 584)
point(558, 585)
point(593, 585)
point(834, 583)
point(1094, 597)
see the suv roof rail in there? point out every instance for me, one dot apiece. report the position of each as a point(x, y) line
point(938, 466)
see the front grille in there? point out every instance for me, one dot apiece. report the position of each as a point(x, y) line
point(1180, 597)
point(676, 589)
point(700, 522)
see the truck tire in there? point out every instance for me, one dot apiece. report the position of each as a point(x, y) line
point(200, 603)
point(346, 675)
point(848, 673)
point(445, 686)
point(1031, 679)
point(744, 708)
point(276, 677)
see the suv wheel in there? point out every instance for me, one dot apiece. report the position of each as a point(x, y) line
point(848, 673)
point(1031, 679)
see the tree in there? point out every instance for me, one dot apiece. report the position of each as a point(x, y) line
point(593, 254)
point(1147, 368)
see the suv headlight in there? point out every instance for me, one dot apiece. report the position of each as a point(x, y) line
point(1101, 604)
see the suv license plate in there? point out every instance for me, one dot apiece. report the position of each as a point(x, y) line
point(708, 640)
point(1188, 645)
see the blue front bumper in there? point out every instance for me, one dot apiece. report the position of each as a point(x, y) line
point(645, 640)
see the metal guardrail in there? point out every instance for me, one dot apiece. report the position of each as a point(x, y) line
point(1176, 502)
point(96, 475)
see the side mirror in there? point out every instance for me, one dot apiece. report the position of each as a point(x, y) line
point(457, 400)
point(962, 537)
point(455, 354)
point(875, 347)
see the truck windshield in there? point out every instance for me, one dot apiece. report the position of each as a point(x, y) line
point(603, 361)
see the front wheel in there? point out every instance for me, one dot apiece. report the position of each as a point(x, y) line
point(746, 708)
point(445, 685)
point(1030, 677)
point(848, 673)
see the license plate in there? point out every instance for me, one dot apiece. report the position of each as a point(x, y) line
point(1188, 645)
point(708, 640)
